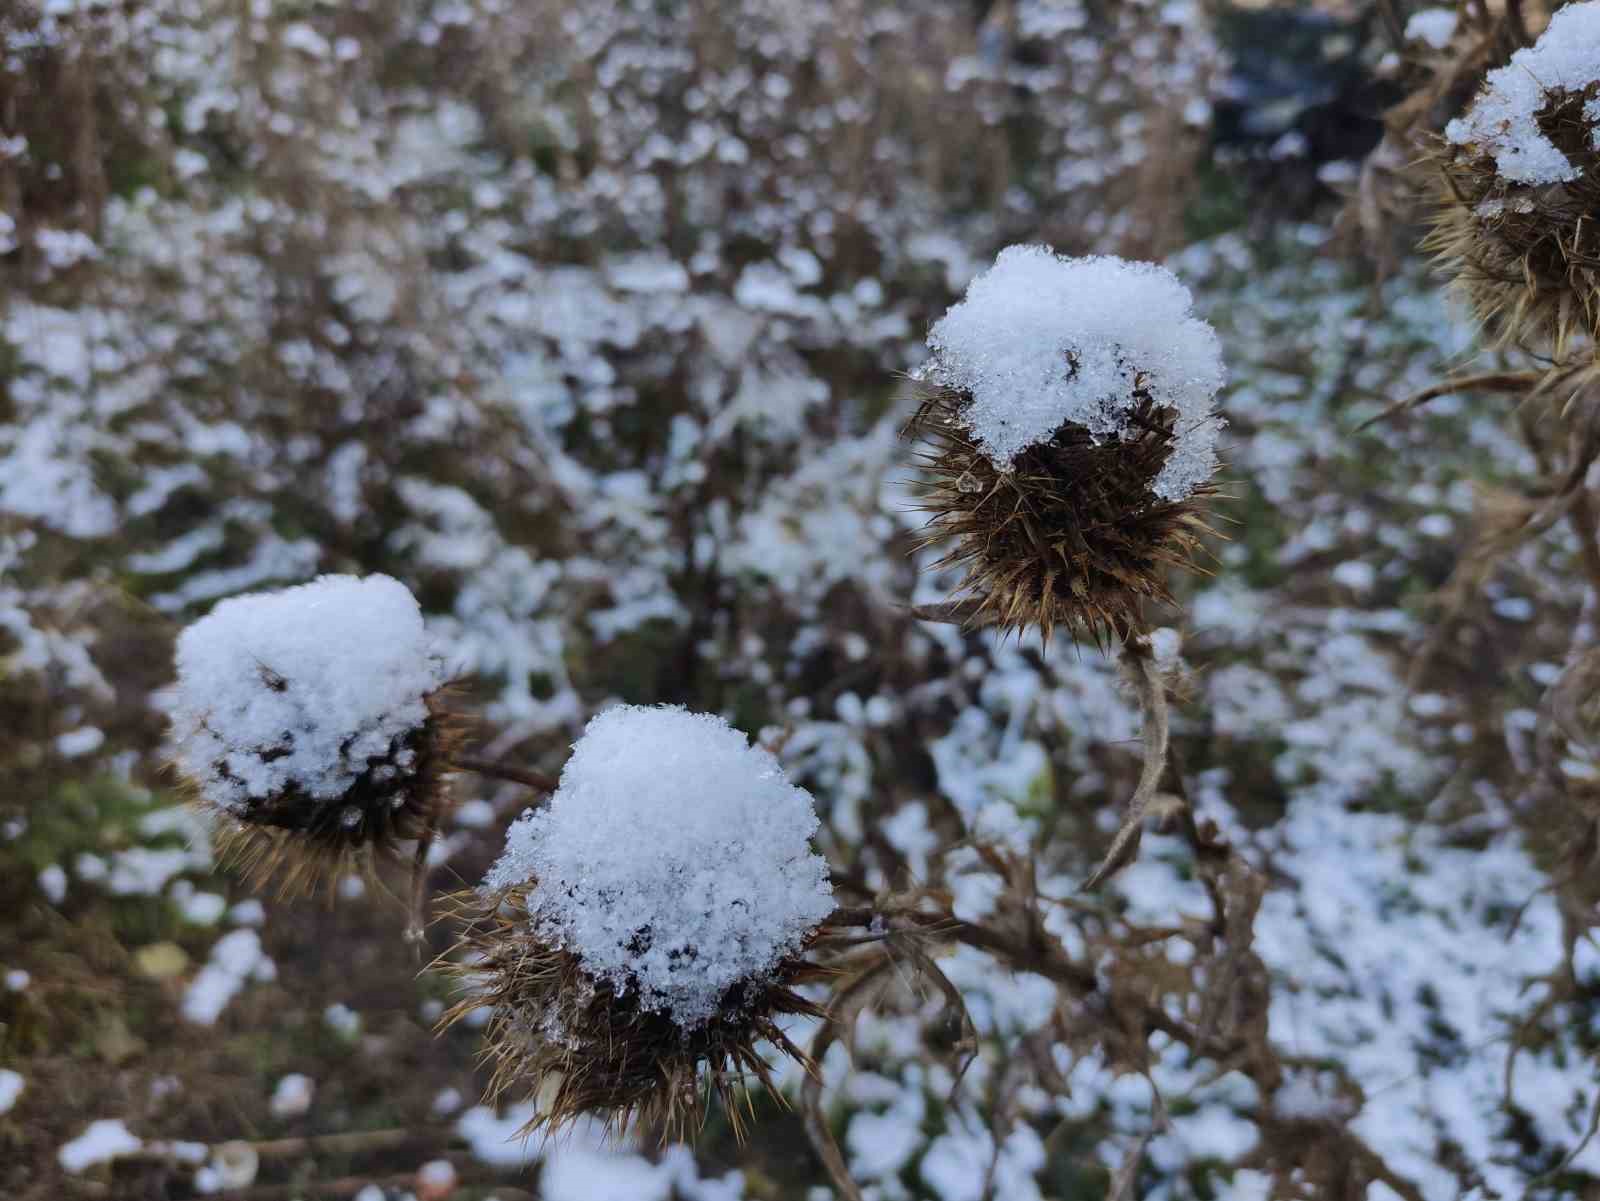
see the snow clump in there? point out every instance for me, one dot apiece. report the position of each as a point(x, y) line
point(674, 859)
point(298, 689)
point(1433, 26)
point(1041, 340)
point(1502, 122)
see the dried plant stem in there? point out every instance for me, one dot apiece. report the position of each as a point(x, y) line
point(528, 777)
point(967, 613)
point(1513, 382)
point(417, 927)
point(1585, 527)
point(816, 1120)
point(1517, 23)
point(1138, 660)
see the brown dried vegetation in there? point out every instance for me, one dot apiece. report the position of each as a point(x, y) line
point(1071, 536)
point(582, 1048)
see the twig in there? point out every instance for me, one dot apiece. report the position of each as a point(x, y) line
point(816, 1121)
point(1519, 26)
point(969, 614)
point(417, 927)
point(1490, 381)
point(528, 777)
point(351, 1142)
point(1584, 525)
point(1140, 663)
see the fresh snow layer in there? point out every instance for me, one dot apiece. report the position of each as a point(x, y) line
point(1041, 340)
point(10, 1088)
point(674, 858)
point(102, 1142)
point(1501, 122)
point(301, 688)
point(1434, 26)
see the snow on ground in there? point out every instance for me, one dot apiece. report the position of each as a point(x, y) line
point(102, 1142)
point(236, 959)
point(11, 1086)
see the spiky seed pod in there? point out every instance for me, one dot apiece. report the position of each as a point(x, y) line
point(1517, 219)
point(582, 1047)
point(1068, 441)
point(304, 842)
point(642, 936)
point(310, 725)
point(1071, 535)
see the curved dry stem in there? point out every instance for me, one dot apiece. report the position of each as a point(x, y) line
point(816, 1121)
point(527, 777)
point(1139, 662)
point(417, 927)
point(1513, 382)
point(968, 614)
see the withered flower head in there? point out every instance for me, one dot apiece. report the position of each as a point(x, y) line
point(1518, 219)
point(641, 937)
point(308, 723)
point(1068, 415)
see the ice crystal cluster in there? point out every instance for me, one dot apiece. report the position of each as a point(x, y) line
point(295, 691)
point(1042, 340)
point(674, 859)
point(1503, 122)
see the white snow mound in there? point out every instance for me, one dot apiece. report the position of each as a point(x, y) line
point(1041, 340)
point(301, 687)
point(674, 859)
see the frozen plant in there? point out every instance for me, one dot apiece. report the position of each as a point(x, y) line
point(1071, 431)
point(1519, 188)
point(308, 721)
point(1071, 435)
point(1508, 118)
point(1042, 341)
point(648, 926)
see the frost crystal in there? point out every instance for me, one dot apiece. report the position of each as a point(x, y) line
point(674, 859)
point(299, 689)
point(1503, 120)
point(1042, 340)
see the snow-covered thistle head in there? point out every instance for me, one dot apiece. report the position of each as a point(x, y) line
point(307, 721)
point(1072, 432)
point(1518, 223)
point(640, 936)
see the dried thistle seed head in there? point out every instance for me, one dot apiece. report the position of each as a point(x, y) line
point(309, 723)
point(1519, 190)
point(1070, 437)
point(583, 1047)
point(641, 935)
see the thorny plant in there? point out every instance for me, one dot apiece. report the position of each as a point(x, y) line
point(886, 939)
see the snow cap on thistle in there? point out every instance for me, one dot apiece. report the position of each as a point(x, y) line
point(1070, 411)
point(307, 720)
point(1518, 223)
point(642, 933)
